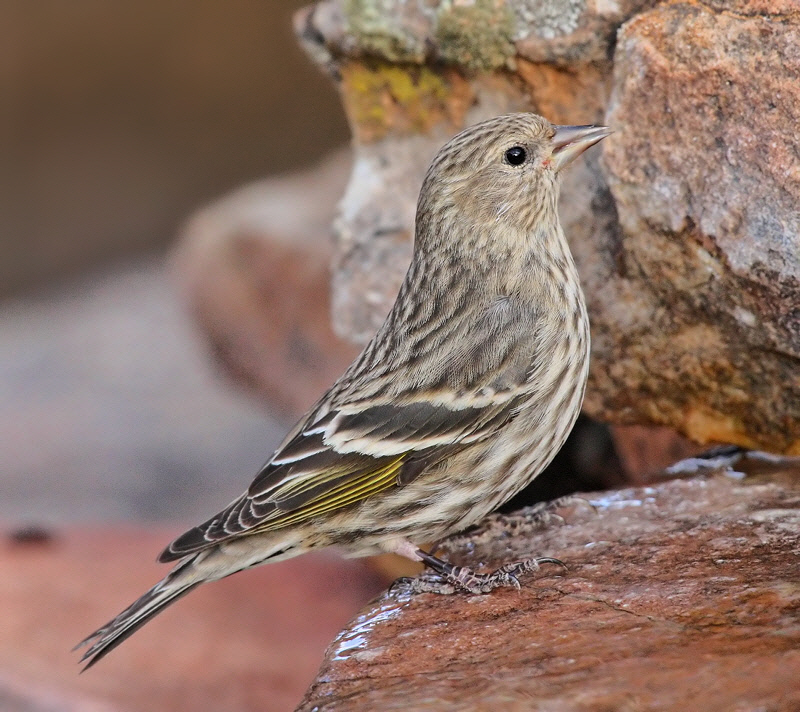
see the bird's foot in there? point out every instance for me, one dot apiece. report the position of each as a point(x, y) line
point(449, 579)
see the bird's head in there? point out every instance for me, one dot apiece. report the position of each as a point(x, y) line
point(503, 172)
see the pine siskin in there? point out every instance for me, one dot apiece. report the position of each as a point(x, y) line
point(463, 396)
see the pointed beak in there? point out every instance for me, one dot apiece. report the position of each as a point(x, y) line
point(571, 141)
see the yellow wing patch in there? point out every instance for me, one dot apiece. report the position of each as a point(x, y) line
point(353, 489)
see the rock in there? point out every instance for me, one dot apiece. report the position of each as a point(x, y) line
point(706, 187)
point(110, 411)
point(250, 642)
point(673, 596)
point(254, 267)
point(686, 234)
point(478, 35)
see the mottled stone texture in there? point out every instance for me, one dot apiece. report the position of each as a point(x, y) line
point(706, 179)
point(686, 230)
point(681, 596)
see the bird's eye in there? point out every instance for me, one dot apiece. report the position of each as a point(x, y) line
point(516, 155)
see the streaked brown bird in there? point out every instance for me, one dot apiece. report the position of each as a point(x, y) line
point(463, 396)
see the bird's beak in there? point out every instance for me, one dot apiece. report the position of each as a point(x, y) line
point(571, 141)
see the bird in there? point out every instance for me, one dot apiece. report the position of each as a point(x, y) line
point(465, 393)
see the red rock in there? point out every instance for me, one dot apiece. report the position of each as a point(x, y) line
point(681, 596)
point(645, 451)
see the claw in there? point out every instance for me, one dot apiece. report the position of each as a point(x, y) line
point(399, 584)
point(451, 579)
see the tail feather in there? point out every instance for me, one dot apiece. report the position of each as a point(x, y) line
point(209, 565)
point(109, 636)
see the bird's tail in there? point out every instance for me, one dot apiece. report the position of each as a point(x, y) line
point(182, 579)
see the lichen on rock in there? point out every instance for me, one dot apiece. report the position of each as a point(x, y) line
point(475, 36)
point(378, 30)
point(380, 97)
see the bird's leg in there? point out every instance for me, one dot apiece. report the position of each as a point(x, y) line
point(451, 579)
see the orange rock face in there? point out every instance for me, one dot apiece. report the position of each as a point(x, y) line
point(706, 188)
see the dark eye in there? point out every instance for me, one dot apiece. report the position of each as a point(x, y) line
point(516, 155)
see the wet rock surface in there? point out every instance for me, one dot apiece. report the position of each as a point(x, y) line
point(682, 595)
point(685, 232)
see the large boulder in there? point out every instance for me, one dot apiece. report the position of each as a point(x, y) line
point(706, 181)
point(686, 231)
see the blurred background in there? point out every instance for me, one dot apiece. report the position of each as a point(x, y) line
point(119, 120)
point(118, 428)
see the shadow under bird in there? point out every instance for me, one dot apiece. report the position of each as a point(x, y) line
point(463, 396)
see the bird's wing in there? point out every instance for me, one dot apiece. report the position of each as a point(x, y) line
point(349, 449)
